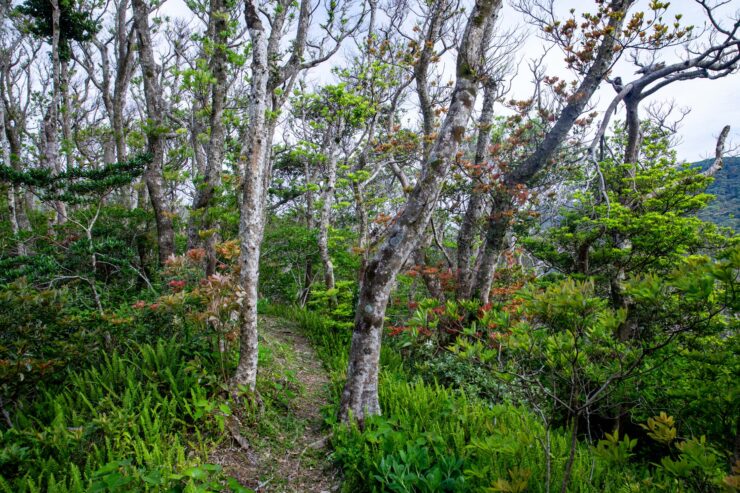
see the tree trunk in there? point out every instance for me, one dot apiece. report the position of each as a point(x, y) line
point(124, 72)
point(66, 113)
point(50, 141)
point(215, 152)
point(251, 223)
point(12, 217)
point(632, 149)
point(498, 225)
point(11, 189)
point(571, 455)
point(153, 175)
point(327, 198)
point(23, 200)
point(431, 280)
point(477, 203)
point(631, 157)
point(308, 274)
point(363, 241)
point(360, 395)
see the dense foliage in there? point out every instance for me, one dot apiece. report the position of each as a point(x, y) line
point(403, 273)
point(725, 210)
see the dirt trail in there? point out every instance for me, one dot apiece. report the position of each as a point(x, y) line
point(288, 444)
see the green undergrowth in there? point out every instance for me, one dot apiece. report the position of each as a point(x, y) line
point(432, 438)
point(143, 420)
point(148, 416)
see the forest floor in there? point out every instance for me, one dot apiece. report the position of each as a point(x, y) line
point(287, 447)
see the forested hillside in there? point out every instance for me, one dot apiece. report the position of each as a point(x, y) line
point(367, 246)
point(725, 209)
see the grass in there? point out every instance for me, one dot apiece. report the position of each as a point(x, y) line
point(154, 417)
point(142, 420)
point(288, 420)
point(432, 438)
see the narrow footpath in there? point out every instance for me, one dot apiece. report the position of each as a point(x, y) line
point(285, 446)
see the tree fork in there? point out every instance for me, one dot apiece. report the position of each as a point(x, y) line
point(360, 395)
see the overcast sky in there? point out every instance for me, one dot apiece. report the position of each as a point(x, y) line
point(713, 104)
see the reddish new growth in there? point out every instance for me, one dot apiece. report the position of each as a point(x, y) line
point(395, 330)
point(141, 304)
point(176, 285)
point(382, 219)
point(196, 254)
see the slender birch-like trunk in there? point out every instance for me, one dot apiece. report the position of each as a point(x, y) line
point(49, 128)
point(215, 150)
point(251, 223)
point(5, 160)
point(493, 245)
point(327, 197)
point(13, 135)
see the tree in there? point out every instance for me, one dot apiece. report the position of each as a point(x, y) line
point(155, 130)
point(594, 62)
point(16, 81)
point(59, 22)
point(360, 394)
point(78, 186)
point(271, 84)
point(329, 117)
point(112, 77)
point(217, 44)
point(645, 36)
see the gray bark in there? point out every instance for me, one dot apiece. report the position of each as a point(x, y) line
point(5, 160)
point(305, 294)
point(251, 223)
point(18, 220)
point(124, 71)
point(495, 243)
point(431, 280)
point(719, 151)
point(634, 137)
point(477, 202)
point(360, 394)
point(66, 113)
point(153, 175)
point(13, 128)
point(49, 139)
point(327, 197)
point(215, 150)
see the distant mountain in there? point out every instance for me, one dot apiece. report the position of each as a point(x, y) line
point(725, 209)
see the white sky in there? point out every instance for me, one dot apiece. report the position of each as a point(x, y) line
point(713, 104)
